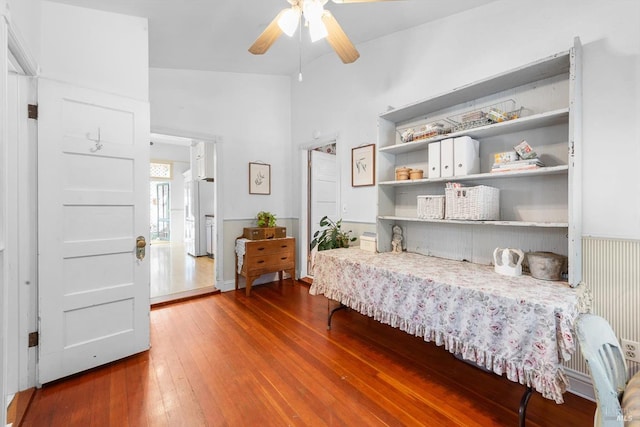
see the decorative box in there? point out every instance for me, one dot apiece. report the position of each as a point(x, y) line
point(368, 242)
point(261, 233)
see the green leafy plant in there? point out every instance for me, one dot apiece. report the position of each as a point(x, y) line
point(332, 236)
point(266, 219)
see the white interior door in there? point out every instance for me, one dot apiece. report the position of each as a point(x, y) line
point(93, 202)
point(324, 191)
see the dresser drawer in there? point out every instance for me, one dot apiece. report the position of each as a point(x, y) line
point(271, 262)
point(261, 247)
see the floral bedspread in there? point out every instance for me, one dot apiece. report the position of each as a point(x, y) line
point(520, 327)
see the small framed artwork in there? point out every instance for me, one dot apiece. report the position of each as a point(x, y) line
point(259, 178)
point(363, 166)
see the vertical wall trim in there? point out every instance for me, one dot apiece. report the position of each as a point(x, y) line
point(575, 163)
point(4, 70)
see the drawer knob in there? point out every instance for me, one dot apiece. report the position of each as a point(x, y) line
point(261, 262)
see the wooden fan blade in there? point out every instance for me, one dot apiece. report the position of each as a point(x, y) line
point(339, 40)
point(268, 36)
point(360, 1)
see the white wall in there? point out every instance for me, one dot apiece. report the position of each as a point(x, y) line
point(95, 49)
point(436, 57)
point(251, 115)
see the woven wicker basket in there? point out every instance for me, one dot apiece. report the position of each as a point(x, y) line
point(473, 203)
point(431, 207)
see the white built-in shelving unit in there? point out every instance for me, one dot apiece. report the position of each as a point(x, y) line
point(539, 208)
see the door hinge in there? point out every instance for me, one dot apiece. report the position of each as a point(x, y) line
point(33, 339)
point(32, 111)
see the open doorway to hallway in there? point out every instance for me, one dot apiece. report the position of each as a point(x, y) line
point(174, 273)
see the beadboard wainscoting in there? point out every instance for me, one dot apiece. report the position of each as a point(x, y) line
point(611, 270)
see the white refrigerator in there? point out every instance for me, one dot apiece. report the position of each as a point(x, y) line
point(199, 201)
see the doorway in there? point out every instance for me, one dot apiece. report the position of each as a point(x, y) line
point(323, 190)
point(175, 274)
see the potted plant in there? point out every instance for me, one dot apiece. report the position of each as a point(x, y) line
point(332, 236)
point(266, 219)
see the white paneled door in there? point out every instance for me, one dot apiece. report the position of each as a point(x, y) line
point(93, 208)
point(324, 191)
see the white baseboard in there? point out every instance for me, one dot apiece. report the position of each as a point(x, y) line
point(230, 285)
point(580, 384)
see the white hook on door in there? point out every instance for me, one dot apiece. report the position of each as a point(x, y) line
point(92, 139)
point(98, 145)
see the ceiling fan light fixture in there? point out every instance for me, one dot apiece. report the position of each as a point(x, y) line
point(312, 10)
point(321, 24)
point(289, 20)
point(317, 30)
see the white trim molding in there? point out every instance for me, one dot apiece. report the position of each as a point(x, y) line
point(580, 384)
point(19, 54)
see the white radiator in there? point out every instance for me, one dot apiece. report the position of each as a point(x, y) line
point(611, 269)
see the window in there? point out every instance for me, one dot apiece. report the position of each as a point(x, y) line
point(161, 170)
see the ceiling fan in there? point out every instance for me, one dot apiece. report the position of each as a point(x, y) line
point(321, 24)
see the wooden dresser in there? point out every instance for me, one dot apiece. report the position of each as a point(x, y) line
point(266, 256)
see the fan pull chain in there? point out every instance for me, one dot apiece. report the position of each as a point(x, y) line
point(300, 50)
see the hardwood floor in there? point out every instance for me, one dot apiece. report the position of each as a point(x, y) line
point(268, 359)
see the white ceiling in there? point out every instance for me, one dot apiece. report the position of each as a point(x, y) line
point(214, 35)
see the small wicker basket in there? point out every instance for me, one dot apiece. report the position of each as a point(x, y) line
point(431, 207)
point(416, 174)
point(402, 173)
point(473, 203)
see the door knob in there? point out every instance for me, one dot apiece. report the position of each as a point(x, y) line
point(141, 244)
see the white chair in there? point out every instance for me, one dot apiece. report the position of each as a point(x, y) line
point(618, 400)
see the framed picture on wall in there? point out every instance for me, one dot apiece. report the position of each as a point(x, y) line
point(259, 178)
point(363, 165)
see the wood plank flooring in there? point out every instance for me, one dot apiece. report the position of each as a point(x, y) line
point(176, 274)
point(268, 360)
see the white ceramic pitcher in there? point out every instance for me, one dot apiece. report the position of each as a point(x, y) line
point(508, 261)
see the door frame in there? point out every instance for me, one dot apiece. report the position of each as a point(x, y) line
point(14, 52)
point(305, 194)
point(218, 173)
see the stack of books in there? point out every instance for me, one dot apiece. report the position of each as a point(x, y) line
point(517, 165)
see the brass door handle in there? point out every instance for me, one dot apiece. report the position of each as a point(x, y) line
point(141, 244)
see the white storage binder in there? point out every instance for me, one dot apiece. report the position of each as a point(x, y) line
point(466, 156)
point(446, 157)
point(434, 160)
